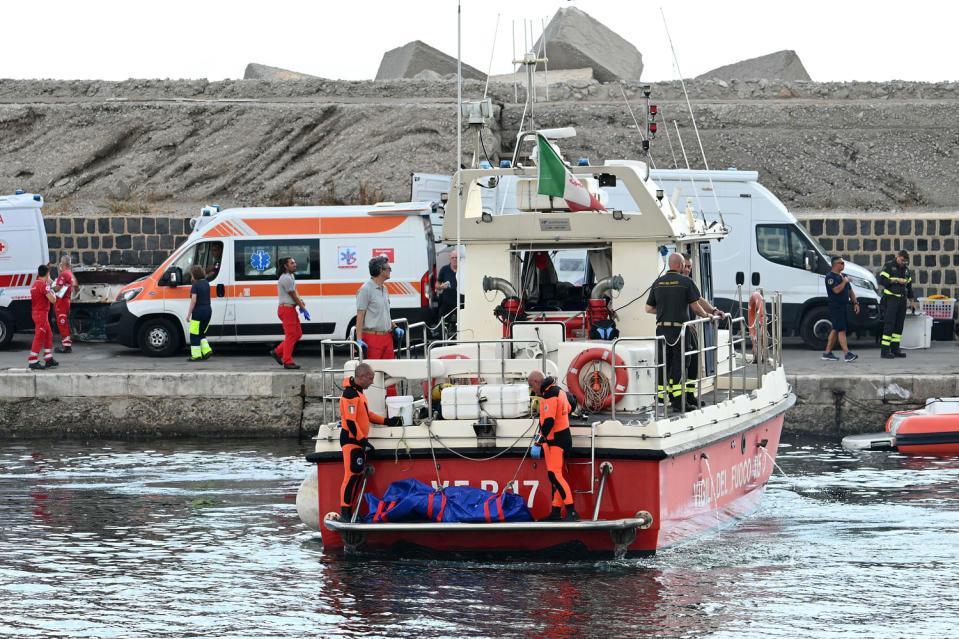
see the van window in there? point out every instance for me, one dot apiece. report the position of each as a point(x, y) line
point(255, 260)
point(782, 244)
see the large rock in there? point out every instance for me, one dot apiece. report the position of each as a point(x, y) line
point(415, 57)
point(574, 41)
point(782, 65)
point(256, 71)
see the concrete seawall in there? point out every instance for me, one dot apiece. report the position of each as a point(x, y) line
point(144, 405)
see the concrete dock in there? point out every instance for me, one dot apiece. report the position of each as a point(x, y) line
point(109, 391)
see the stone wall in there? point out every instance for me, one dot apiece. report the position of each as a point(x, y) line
point(870, 240)
point(115, 240)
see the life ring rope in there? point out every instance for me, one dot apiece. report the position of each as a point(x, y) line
point(604, 355)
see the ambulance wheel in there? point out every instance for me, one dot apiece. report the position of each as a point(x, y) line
point(815, 327)
point(6, 329)
point(159, 337)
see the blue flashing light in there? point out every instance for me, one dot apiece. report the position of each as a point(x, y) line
point(504, 164)
point(732, 168)
point(583, 162)
point(37, 198)
point(18, 192)
point(485, 165)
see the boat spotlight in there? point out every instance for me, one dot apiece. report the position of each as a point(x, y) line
point(659, 196)
point(617, 214)
point(646, 90)
point(487, 217)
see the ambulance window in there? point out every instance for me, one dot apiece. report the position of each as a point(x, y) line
point(184, 262)
point(255, 260)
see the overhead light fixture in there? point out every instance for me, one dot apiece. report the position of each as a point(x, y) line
point(617, 214)
point(659, 196)
point(487, 217)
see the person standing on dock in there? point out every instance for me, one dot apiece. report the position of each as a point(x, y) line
point(355, 418)
point(839, 293)
point(198, 317)
point(288, 301)
point(557, 442)
point(63, 289)
point(671, 298)
point(41, 296)
point(896, 282)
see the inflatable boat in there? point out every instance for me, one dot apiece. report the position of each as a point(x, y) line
point(931, 430)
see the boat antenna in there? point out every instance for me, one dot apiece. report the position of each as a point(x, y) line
point(529, 60)
point(515, 88)
point(693, 118)
point(649, 157)
point(542, 23)
point(692, 181)
point(492, 50)
point(670, 140)
point(459, 145)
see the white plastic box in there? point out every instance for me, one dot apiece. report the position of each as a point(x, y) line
point(502, 401)
point(401, 405)
point(916, 331)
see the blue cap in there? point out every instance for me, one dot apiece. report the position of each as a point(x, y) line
point(19, 192)
point(583, 162)
point(485, 165)
point(504, 164)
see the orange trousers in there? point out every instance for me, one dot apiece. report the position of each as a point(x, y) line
point(555, 466)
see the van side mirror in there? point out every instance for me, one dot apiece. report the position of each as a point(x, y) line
point(811, 260)
point(755, 278)
point(740, 278)
point(171, 277)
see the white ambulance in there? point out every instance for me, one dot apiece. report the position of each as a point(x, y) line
point(23, 247)
point(239, 249)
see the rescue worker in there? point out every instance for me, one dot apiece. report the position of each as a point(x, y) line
point(374, 325)
point(216, 256)
point(896, 282)
point(671, 297)
point(63, 288)
point(199, 314)
point(556, 440)
point(692, 341)
point(41, 296)
point(288, 301)
point(355, 418)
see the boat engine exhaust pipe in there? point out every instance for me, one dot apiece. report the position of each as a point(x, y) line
point(614, 282)
point(498, 284)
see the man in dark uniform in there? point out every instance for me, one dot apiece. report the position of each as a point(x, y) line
point(896, 282)
point(671, 297)
point(692, 341)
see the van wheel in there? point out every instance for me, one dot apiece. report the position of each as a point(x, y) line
point(6, 329)
point(815, 327)
point(158, 337)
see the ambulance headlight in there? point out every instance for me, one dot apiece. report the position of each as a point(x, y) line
point(129, 294)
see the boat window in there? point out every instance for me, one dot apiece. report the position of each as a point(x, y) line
point(255, 260)
point(559, 280)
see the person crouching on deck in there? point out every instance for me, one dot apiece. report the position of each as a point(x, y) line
point(355, 418)
point(556, 440)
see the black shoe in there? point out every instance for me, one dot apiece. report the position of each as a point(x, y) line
point(676, 404)
point(63, 349)
point(692, 402)
point(556, 514)
point(36, 366)
point(291, 366)
point(346, 513)
point(193, 359)
point(279, 360)
point(571, 514)
point(206, 355)
point(886, 353)
point(51, 363)
point(896, 351)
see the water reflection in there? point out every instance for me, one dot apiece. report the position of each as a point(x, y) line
point(172, 539)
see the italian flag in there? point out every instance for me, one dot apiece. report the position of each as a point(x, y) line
point(556, 180)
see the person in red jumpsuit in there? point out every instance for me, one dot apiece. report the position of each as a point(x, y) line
point(41, 296)
point(63, 289)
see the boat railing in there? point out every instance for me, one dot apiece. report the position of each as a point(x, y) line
point(330, 374)
point(658, 367)
point(504, 347)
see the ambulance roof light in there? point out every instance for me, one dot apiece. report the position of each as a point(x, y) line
point(18, 192)
point(583, 162)
point(37, 198)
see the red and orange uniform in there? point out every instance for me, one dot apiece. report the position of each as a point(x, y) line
point(557, 441)
point(355, 419)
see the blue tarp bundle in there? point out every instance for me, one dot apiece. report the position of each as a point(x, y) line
point(412, 500)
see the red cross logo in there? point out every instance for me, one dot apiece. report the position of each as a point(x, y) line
point(3, 246)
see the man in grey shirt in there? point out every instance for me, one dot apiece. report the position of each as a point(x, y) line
point(288, 301)
point(373, 323)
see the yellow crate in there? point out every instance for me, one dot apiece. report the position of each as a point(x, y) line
point(937, 309)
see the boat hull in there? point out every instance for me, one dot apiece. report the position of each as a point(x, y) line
point(920, 434)
point(686, 493)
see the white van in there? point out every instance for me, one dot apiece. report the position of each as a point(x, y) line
point(332, 246)
point(766, 247)
point(23, 247)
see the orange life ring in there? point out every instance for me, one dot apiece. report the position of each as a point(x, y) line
point(757, 309)
point(602, 354)
point(432, 382)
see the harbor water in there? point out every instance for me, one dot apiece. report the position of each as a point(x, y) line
point(201, 538)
